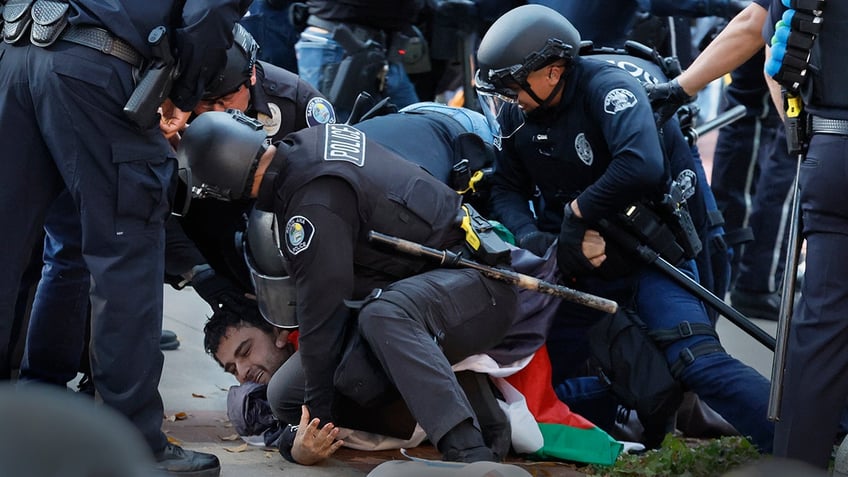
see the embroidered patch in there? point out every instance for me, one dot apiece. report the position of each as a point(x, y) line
point(584, 149)
point(271, 123)
point(686, 181)
point(319, 111)
point(344, 143)
point(299, 233)
point(618, 100)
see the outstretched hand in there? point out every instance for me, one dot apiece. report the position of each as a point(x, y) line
point(311, 444)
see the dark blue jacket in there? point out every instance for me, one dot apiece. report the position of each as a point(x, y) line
point(200, 34)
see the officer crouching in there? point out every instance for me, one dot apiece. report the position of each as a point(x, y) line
point(328, 187)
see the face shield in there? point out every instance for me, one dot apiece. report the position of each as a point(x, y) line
point(275, 295)
point(494, 96)
point(275, 290)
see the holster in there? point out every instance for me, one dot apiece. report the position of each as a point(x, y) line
point(409, 47)
point(363, 69)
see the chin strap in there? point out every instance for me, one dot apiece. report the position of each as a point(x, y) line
point(546, 102)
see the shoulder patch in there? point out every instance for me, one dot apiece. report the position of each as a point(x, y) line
point(584, 149)
point(618, 100)
point(299, 233)
point(343, 142)
point(319, 111)
point(271, 123)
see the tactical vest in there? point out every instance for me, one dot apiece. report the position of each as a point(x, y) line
point(395, 197)
point(825, 93)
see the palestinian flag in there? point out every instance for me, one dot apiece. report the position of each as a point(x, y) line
point(561, 434)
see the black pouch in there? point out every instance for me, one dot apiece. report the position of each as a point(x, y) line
point(16, 19)
point(49, 18)
point(625, 357)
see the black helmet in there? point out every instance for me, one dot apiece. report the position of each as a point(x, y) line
point(222, 149)
point(241, 57)
point(521, 41)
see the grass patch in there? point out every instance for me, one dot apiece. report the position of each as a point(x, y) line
point(679, 457)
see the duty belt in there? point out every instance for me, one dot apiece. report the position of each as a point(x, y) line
point(828, 126)
point(103, 41)
point(361, 33)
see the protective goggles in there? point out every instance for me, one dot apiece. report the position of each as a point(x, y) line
point(493, 99)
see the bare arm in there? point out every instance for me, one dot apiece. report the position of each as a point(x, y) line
point(737, 43)
point(774, 88)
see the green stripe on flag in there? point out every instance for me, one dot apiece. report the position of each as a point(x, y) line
point(592, 446)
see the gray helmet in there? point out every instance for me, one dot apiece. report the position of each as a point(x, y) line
point(241, 57)
point(521, 41)
point(222, 149)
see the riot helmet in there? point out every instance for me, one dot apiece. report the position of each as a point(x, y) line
point(222, 149)
point(241, 58)
point(522, 40)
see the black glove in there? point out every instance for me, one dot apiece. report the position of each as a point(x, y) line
point(536, 242)
point(570, 258)
point(666, 99)
point(220, 292)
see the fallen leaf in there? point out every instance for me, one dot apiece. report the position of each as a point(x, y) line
point(197, 395)
point(180, 416)
point(174, 440)
point(231, 437)
point(237, 449)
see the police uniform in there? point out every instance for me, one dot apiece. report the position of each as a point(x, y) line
point(599, 146)
point(816, 381)
point(751, 177)
point(68, 99)
point(333, 186)
point(375, 20)
point(284, 103)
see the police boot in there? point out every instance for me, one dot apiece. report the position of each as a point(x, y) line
point(174, 460)
point(464, 443)
point(494, 424)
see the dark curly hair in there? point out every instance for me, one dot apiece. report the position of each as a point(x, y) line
point(216, 326)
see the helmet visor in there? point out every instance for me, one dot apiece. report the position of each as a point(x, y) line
point(493, 99)
point(275, 296)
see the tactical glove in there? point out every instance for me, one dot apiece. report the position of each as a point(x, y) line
point(220, 292)
point(666, 99)
point(536, 242)
point(570, 258)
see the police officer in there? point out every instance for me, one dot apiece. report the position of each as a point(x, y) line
point(752, 179)
point(75, 66)
point(582, 133)
point(328, 187)
point(816, 380)
point(383, 22)
point(758, 265)
point(201, 248)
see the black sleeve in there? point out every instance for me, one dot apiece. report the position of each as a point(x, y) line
point(287, 442)
point(512, 189)
point(320, 232)
point(620, 106)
